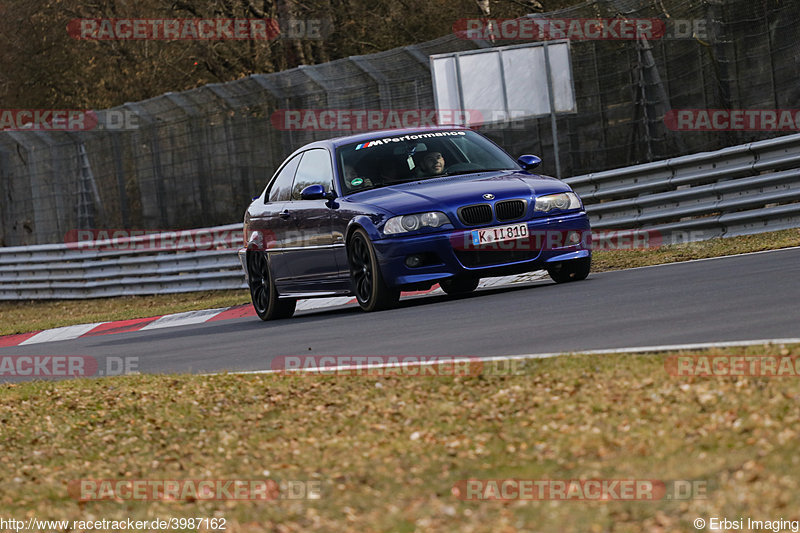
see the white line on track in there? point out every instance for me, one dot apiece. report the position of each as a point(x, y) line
point(451, 359)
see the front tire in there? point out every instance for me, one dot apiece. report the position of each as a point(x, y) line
point(262, 289)
point(574, 270)
point(365, 274)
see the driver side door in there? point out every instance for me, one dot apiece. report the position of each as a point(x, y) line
point(271, 222)
point(310, 244)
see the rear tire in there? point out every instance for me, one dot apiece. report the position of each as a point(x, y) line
point(262, 289)
point(365, 274)
point(456, 286)
point(574, 270)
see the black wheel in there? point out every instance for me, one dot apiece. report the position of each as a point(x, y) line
point(262, 290)
point(365, 274)
point(574, 270)
point(459, 285)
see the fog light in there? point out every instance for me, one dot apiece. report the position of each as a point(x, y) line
point(413, 261)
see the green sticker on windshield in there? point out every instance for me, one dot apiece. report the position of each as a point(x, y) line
point(356, 182)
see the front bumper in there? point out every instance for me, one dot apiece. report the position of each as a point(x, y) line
point(448, 257)
point(242, 253)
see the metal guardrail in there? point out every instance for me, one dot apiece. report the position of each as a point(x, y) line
point(740, 190)
point(123, 267)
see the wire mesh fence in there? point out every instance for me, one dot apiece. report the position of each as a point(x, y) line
point(195, 158)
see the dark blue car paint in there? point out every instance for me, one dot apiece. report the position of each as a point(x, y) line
point(323, 270)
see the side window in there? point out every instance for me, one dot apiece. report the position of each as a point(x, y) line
point(315, 168)
point(281, 187)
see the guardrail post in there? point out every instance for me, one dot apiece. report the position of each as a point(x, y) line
point(157, 199)
point(30, 160)
point(199, 128)
point(5, 179)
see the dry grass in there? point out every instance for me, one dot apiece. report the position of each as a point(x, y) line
point(387, 451)
point(621, 259)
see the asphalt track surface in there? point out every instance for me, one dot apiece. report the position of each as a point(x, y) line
point(755, 296)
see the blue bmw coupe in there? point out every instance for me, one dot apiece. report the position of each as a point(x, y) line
point(372, 214)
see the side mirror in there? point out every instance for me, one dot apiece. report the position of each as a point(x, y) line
point(313, 192)
point(529, 162)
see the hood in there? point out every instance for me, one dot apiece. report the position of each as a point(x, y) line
point(437, 194)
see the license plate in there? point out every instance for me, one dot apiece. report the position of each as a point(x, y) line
point(499, 234)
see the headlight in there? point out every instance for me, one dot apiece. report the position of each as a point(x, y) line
point(562, 200)
point(406, 223)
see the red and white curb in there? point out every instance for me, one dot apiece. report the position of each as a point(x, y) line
point(212, 315)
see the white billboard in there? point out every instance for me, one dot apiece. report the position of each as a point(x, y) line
point(505, 83)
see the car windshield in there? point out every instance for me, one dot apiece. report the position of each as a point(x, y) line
point(387, 160)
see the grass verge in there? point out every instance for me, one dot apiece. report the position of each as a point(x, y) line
point(387, 451)
point(621, 259)
point(23, 317)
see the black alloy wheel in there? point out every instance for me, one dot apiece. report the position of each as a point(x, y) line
point(262, 289)
point(365, 274)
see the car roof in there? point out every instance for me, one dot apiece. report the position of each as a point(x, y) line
point(377, 134)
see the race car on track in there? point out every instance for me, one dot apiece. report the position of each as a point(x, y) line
point(372, 214)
